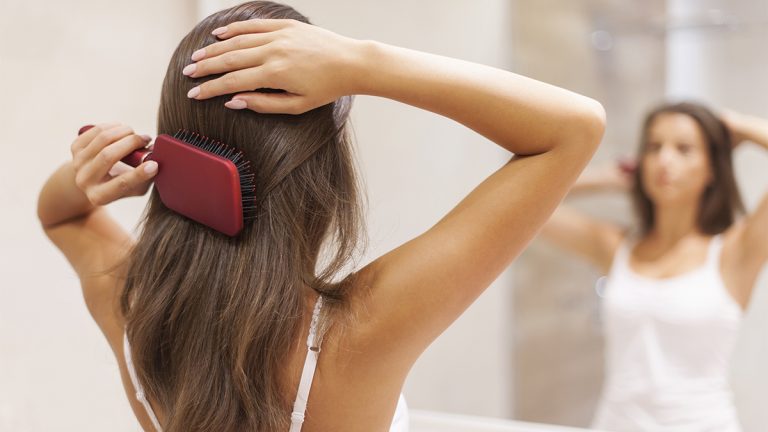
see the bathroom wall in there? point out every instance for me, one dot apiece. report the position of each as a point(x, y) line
point(62, 65)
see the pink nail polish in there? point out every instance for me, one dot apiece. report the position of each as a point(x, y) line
point(150, 167)
point(199, 54)
point(219, 31)
point(189, 69)
point(236, 104)
point(195, 92)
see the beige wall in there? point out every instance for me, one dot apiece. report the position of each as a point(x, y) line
point(62, 65)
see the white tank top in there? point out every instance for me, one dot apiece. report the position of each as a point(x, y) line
point(668, 347)
point(399, 421)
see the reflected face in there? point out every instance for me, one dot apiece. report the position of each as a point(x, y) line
point(676, 163)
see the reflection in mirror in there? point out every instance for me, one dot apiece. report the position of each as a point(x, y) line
point(629, 308)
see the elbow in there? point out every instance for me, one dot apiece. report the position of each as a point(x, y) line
point(43, 215)
point(591, 119)
point(581, 131)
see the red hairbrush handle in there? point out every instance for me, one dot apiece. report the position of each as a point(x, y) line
point(134, 159)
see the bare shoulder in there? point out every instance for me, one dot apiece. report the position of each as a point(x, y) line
point(603, 243)
point(612, 237)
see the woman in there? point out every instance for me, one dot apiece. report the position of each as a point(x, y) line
point(218, 329)
point(677, 286)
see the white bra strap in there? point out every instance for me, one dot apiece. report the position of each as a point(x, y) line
point(140, 396)
point(713, 254)
point(308, 373)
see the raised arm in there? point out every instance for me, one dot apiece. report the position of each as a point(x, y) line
point(751, 234)
point(416, 291)
point(420, 288)
point(72, 214)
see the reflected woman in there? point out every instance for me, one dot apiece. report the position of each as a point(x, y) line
point(677, 286)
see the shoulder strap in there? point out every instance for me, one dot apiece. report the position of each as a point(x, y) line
point(713, 253)
point(308, 373)
point(140, 396)
point(621, 257)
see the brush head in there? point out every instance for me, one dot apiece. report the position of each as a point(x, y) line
point(204, 180)
point(201, 178)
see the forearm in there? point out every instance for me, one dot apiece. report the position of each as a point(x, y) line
point(755, 129)
point(60, 199)
point(522, 115)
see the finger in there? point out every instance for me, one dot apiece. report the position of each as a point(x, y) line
point(236, 43)
point(232, 82)
point(257, 25)
point(86, 137)
point(119, 168)
point(227, 62)
point(96, 168)
point(269, 103)
point(107, 136)
point(124, 184)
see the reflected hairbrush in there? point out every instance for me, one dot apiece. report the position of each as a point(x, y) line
point(201, 178)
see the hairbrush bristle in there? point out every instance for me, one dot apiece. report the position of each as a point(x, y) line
point(244, 168)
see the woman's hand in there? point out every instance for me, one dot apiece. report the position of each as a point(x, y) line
point(312, 66)
point(99, 174)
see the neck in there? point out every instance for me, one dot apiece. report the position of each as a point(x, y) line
point(673, 222)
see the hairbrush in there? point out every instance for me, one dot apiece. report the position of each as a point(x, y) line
point(201, 178)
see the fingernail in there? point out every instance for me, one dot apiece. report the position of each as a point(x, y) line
point(146, 137)
point(219, 31)
point(199, 54)
point(190, 69)
point(150, 167)
point(194, 92)
point(236, 104)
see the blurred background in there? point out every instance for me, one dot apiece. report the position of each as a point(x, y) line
point(530, 349)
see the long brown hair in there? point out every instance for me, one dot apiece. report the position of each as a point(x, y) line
point(211, 319)
point(720, 202)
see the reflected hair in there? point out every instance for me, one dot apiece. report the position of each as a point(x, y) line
point(720, 202)
point(211, 319)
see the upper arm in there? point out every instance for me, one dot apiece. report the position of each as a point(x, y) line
point(582, 235)
point(95, 246)
point(417, 290)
